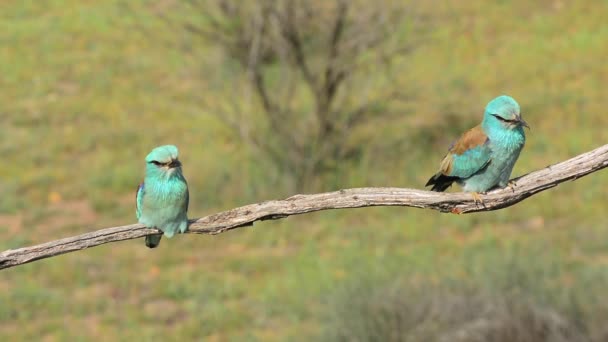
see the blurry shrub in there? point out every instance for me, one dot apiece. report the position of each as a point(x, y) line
point(406, 313)
point(308, 75)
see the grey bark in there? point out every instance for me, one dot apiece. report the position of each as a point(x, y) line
point(458, 203)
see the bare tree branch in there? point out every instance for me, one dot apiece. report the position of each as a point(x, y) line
point(458, 203)
point(292, 36)
point(307, 66)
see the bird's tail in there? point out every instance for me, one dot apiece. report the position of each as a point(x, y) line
point(152, 241)
point(440, 182)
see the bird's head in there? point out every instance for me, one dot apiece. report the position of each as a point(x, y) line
point(163, 160)
point(504, 112)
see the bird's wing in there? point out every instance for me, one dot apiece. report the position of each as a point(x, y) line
point(467, 155)
point(187, 199)
point(139, 197)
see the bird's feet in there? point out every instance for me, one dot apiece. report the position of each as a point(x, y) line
point(511, 185)
point(477, 197)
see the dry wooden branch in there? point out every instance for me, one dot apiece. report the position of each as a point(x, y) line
point(526, 186)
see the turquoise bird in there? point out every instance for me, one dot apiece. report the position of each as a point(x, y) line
point(162, 198)
point(484, 156)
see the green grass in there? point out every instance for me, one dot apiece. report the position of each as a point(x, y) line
point(87, 92)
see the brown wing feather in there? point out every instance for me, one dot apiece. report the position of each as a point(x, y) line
point(468, 140)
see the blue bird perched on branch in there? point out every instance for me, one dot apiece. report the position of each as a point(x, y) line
point(162, 198)
point(484, 156)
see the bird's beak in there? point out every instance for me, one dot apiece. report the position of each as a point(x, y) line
point(522, 122)
point(174, 164)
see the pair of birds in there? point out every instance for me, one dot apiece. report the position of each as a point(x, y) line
point(481, 159)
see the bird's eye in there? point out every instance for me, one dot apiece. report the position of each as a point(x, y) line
point(503, 119)
point(498, 117)
point(156, 163)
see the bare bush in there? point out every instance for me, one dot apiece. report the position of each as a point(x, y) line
point(310, 69)
point(401, 314)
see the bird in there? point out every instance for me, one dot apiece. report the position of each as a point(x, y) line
point(162, 198)
point(483, 157)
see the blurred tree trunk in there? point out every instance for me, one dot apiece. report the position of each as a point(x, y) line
point(307, 63)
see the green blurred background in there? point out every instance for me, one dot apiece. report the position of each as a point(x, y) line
point(88, 88)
